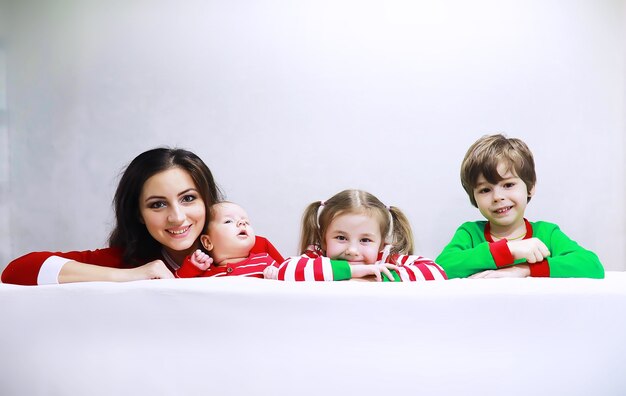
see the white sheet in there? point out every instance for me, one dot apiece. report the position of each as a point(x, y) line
point(252, 336)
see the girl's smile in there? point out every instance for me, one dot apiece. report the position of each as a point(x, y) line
point(354, 237)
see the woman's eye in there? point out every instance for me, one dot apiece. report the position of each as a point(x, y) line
point(157, 205)
point(189, 198)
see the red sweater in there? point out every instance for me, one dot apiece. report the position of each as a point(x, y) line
point(25, 270)
point(252, 266)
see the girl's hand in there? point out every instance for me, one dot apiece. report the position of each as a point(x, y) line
point(201, 260)
point(363, 270)
point(153, 270)
point(515, 271)
point(270, 272)
point(532, 250)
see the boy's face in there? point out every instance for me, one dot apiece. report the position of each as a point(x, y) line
point(229, 234)
point(503, 204)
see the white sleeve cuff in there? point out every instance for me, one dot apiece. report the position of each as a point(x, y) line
point(49, 271)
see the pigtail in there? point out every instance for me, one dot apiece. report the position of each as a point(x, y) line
point(310, 232)
point(402, 234)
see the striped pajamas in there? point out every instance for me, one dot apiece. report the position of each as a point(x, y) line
point(253, 266)
point(313, 266)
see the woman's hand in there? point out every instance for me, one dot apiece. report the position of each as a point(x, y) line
point(153, 270)
point(363, 270)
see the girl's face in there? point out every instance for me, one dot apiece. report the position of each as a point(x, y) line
point(354, 237)
point(173, 211)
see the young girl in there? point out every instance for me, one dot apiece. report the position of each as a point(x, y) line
point(160, 208)
point(354, 235)
point(229, 239)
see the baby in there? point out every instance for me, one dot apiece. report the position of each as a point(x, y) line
point(229, 238)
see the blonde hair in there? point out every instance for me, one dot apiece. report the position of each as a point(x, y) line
point(394, 225)
point(484, 156)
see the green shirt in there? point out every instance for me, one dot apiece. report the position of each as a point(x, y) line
point(468, 253)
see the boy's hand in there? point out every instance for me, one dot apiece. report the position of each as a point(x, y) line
point(201, 260)
point(515, 271)
point(363, 270)
point(532, 250)
point(270, 272)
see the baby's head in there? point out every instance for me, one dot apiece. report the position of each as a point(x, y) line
point(229, 233)
point(491, 152)
point(355, 215)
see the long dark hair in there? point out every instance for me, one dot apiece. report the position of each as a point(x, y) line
point(130, 233)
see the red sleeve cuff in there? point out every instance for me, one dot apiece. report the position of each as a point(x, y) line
point(540, 269)
point(501, 253)
point(188, 270)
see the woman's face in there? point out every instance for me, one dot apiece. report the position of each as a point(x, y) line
point(173, 211)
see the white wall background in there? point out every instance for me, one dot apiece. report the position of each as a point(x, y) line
point(290, 102)
point(5, 234)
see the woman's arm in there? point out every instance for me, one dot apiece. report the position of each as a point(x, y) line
point(73, 271)
point(39, 268)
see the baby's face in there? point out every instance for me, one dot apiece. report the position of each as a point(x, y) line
point(230, 232)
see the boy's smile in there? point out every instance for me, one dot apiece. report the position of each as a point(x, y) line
point(503, 211)
point(503, 204)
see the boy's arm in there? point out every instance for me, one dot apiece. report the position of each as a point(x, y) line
point(568, 259)
point(468, 253)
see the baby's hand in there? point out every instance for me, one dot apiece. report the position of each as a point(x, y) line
point(362, 270)
point(270, 272)
point(201, 260)
point(533, 250)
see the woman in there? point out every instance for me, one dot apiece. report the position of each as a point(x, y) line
point(161, 204)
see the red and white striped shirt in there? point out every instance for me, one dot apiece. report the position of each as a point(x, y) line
point(253, 266)
point(313, 266)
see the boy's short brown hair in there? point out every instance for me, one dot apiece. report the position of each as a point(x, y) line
point(487, 152)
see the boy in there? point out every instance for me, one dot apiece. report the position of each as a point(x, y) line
point(498, 174)
point(228, 239)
